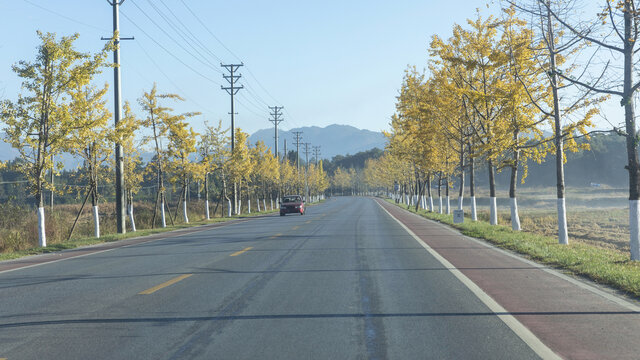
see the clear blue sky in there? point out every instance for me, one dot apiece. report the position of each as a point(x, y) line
point(325, 62)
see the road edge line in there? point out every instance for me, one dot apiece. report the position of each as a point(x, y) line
point(585, 284)
point(516, 326)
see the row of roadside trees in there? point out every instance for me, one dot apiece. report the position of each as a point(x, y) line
point(61, 110)
point(497, 87)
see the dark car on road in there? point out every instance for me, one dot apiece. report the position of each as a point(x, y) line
point(291, 204)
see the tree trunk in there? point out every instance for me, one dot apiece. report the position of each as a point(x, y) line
point(206, 196)
point(515, 217)
point(461, 191)
point(429, 192)
point(184, 204)
point(631, 138)
point(42, 235)
point(131, 217)
point(440, 193)
point(563, 236)
point(493, 220)
point(96, 217)
point(472, 186)
point(446, 187)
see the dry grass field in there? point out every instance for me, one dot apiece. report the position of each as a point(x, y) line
point(596, 216)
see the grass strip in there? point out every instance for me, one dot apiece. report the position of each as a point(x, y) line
point(602, 265)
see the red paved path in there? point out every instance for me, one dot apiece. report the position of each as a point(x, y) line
point(574, 321)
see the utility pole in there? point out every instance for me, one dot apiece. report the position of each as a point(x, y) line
point(316, 153)
point(285, 157)
point(298, 135)
point(306, 171)
point(120, 196)
point(276, 120)
point(232, 90)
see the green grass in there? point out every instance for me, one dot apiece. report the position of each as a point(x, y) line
point(611, 267)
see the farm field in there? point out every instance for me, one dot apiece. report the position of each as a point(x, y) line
point(595, 216)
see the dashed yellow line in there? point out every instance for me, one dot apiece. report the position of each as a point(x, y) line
point(163, 285)
point(308, 222)
point(295, 227)
point(241, 251)
point(273, 237)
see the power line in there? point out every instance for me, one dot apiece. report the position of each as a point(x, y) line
point(189, 41)
point(209, 31)
point(170, 37)
point(64, 16)
point(167, 51)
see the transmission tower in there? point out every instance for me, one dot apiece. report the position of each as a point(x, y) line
point(276, 120)
point(298, 135)
point(316, 152)
point(232, 89)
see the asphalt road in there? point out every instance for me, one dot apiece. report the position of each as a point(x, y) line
point(344, 281)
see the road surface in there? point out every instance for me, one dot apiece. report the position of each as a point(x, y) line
point(345, 281)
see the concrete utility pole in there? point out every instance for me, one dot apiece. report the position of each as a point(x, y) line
point(120, 191)
point(298, 135)
point(285, 158)
point(316, 153)
point(306, 171)
point(276, 120)
point(232, 90)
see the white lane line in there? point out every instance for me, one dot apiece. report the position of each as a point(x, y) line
point(516, 326)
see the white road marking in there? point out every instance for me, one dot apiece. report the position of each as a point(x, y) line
point(516, 326)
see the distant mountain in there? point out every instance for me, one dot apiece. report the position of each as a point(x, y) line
point(333, 139)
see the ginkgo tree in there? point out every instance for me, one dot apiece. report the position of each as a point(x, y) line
point(90, 140)
point(39, 122)
point(182, 144)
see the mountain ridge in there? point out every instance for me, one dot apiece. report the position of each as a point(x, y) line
point(334, 139)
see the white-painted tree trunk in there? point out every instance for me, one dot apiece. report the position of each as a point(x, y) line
point(162, 215)
point(131, 218)
point(258, 201)
point(206, 209)
point(440, 210)
point(264, 204)
point(515, 217)
point(96, 222)
point(228, 208)
point(460, 202)
point(271, 200)
point(448, 205)
point(431, 203)
point(184, 212)
point(42, 235)
point(249, 205)
point(493, 219)
point(563, 234)
point(239, 208)
point(634, 220)
point(474, 211)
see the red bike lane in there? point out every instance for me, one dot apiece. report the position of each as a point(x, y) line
point(572, 318)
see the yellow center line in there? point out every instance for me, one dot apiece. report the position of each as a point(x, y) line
point(275, 236)
point(308, 222)
point(295, 227)
point(241, 251)
point(164, 284)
